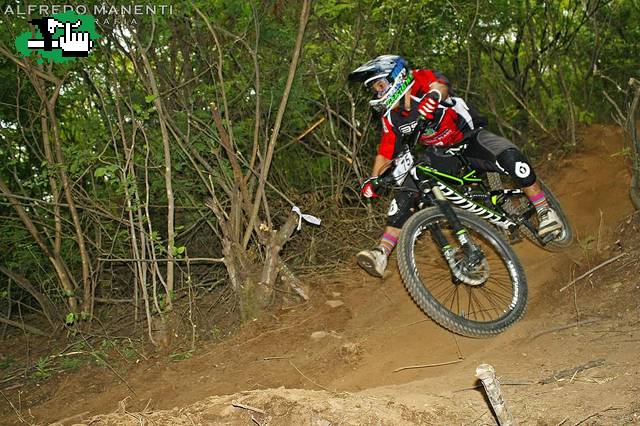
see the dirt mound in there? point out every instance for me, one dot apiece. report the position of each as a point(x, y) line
point(284, 407)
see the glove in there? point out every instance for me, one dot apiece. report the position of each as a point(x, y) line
point(367, 190)
point(429, 104)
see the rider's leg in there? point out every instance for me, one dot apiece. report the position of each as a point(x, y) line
point(375, 261)
point(389, 240)
point(495, 153)
point(548, 220)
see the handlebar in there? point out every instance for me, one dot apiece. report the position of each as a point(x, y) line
point(419, 130)
point(386, 180)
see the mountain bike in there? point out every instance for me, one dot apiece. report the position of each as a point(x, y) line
point(454, 253)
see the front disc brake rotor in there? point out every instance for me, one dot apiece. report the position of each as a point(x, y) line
point(472, 275)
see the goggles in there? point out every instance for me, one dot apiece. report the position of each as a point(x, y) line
point(379, 87)
point(387, 94)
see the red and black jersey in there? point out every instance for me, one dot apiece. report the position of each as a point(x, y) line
point(450, 127)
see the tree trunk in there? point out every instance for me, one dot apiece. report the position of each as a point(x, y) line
point(632, 129)
point(24, 327)
point(52, 183)
point(47, 307)
point(274, 245)
point(57, 263)
point(157, 102)
point(51, 123)
point(87, 298)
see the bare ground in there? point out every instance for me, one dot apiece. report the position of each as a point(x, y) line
point(572, 359)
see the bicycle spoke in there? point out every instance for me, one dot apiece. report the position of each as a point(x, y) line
point(485, 302)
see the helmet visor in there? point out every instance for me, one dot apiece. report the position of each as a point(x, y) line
point(379, 87)
point(386, 99)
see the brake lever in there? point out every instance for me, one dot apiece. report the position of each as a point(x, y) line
point(419, 130)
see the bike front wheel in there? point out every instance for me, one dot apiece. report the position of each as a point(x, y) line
point(478, 302)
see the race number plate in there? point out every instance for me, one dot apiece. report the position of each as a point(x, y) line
point(403, 164)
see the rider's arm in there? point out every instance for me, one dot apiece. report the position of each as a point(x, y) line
point(431, 81)
point(386, 148)
point(380, 164)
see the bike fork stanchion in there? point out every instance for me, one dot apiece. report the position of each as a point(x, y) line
point(448, 252)
point(474, 255)
point(441, 240)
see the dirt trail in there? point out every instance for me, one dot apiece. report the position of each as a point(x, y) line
point(379, 329)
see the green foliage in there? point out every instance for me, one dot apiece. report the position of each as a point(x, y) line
point(42, 368)
point(163, 300)
point(99, 358)
point(178, 251)
point(6, 363)
point(216, 332)
point(70, 363)
point(626, 152)
point(586, 117)
point(181, 356)
point(129, 351)
point(108, 344)
point(71, 319)
point(106, 171)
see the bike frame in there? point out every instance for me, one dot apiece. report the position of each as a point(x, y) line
point(439, 189)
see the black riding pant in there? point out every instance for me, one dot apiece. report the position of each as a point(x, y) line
point(485, 151)
point(489, 152)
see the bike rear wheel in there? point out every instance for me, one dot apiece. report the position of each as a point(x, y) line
point(520, 204)
point(475, 310)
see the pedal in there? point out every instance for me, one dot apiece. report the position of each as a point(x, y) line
point(515, 238)
point(552, 236)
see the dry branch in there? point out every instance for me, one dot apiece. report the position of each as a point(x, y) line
point(595, 414)
point(47, 307)
point(247, 407)
point(592, 270)
point(569, 372)
point(66, 281)
point(72, 419)
point(487, 374)
point(564, 327)
point(187, 259)
point(437, 364)
point(23, 327)
point(303, 375)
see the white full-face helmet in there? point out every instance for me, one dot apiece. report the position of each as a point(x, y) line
point(388, 77)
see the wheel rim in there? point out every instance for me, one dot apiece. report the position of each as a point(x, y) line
point(488, 302)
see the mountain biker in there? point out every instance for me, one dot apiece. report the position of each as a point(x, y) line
point(402, 96)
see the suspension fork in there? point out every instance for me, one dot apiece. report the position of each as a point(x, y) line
point(473, 253)
point(445, 248)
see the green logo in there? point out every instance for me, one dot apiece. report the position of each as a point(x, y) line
point(60, 38)
point(403, 85)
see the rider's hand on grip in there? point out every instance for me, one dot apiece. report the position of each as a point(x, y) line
point(367, 189)
point(427, 106)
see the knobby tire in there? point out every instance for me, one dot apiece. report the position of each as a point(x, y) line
point(430, 305)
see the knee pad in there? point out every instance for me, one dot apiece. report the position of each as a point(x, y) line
point(516, 165)
point(400, 210)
